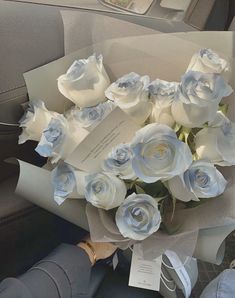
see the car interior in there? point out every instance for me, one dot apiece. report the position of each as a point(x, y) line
point(31, 35)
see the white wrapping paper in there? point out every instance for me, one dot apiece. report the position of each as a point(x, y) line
point(35, 185)
point(83, 29)
point(212, 253)
point(122, 56)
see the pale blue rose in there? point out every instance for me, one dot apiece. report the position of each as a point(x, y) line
point(89, 118)
point(53, 136)
point(158, 154)
point(217, 141)
point(201, 180)
point(34, 121)
point(138, 217)
point(64, 182)
point(104, 190)
point(162, 94)
point(119, 162)
point(85, 82)
point(198, 97)
point(130, 93)
point(202, 89)
point(59, 139)
point(208, 61)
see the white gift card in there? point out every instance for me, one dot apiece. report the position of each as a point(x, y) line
point(115, 129)
point(145, 274)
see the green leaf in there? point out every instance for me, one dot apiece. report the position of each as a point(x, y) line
point(162, 208)
point(195, 130)
point(155, 190)
point(171, 229)
point(132, 183)
point(181, 136)
point(177, 127)
point(186, 135)
point(159, 199)
point(224, 108)
point(174, 200)
point(139, 189)
point(194, 204)
point(186, 129)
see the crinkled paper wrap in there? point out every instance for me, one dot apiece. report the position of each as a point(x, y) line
point(203, 228)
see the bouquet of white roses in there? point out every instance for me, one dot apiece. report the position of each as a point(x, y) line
point(171, 163)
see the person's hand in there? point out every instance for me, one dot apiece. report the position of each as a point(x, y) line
point(102, 250)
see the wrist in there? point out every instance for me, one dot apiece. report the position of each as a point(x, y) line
point(89, 249)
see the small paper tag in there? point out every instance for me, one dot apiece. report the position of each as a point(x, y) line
point(145, 274)
point(115, 129)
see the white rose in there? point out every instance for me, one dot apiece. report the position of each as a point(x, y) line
point(34, 121)
point(104, 190)
point(85, 82)
point(158, 154)
point(119, 162)
point(217, 142)
point(59, 139)
point(89, 118)
point(67, 183)
point(201, 180)
point(208, 61)
point(138, 217)
point(198, 97)
point(131, 94)
point(162, 94)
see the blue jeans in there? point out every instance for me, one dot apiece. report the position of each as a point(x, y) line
point(223, 286)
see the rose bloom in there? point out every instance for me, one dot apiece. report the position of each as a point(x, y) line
point(162, 94)
point(201, 180)
point(67, 183)
point(158, 154)
point(131, 94)
point(59, 139)
point(217, 141)
point(119, 162)
point(89, 118)
point(138, 217)
point(208, 61)
point(198, 97)
point(34, 121)
point(104, 190)
point(85, 82)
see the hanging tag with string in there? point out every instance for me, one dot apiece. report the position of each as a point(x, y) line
point(144, 274)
